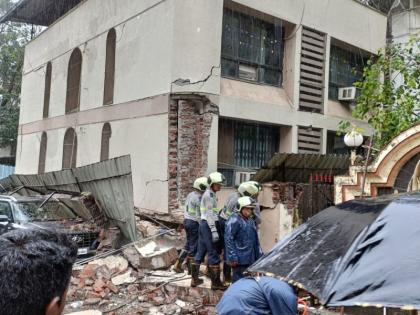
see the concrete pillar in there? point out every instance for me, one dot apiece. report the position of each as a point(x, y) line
point(288, 139)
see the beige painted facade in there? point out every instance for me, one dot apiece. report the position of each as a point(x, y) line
point(159, 43)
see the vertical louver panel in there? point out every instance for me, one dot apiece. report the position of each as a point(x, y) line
point(310, 140)
point(312, 67)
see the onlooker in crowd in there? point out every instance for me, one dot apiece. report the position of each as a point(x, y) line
point(35, 271)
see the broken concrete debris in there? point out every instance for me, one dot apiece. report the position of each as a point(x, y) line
point(119, 288)
point(125, 278)
point(129, 282)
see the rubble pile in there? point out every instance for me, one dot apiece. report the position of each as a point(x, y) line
point(138, 280)
point(113, 286)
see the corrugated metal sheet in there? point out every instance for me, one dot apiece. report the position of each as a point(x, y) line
point(298, 168)
point(109, 181)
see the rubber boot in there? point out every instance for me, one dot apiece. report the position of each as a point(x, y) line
point(195, 280)
point(216, 283)
point(189, 262)
point(181, 258)
point(227, 274)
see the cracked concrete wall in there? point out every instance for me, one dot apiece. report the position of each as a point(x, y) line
point(197, 45)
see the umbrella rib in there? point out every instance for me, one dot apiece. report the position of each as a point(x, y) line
point(312, 250)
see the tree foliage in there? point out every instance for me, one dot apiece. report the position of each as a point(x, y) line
point(13, 38)
point(390, 100)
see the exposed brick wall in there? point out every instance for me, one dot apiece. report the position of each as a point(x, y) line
point(288, 194)
point(190, 122)
point(173, 155)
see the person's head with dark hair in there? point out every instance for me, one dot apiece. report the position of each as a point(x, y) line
point(35, 270)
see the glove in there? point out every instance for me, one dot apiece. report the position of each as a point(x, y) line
point(215, 236)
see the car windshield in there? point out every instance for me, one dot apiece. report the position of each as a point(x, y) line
point(51, 211)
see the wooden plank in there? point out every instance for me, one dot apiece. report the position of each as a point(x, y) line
point(316, 140)
point(312, 83)
point(318, 56)
point(306, 75)
point(312, 48)
point(312, 62)
point(311, 105)
point(311, 41)
point(311, 33)
point(312, 69)
point(305, 145)
point(310, 90)
point(311, 98)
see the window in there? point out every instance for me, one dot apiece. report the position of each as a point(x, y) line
point(252, 49)
point(346, 67)
point(69, 149)
point(245, 146)
point(110, 67)
point(73, 81)
point(336, 145)
point(106, 136)
point(42, 153)
point(5, 209)
point(47, 90)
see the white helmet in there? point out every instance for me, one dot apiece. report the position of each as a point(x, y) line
point(255, 183)
point(245, 202)
point(200, 183)
point(250, 189)
point(216, 178)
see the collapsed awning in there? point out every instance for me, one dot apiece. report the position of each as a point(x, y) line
point(39, 12)
point(359, 253)
point(110, 182)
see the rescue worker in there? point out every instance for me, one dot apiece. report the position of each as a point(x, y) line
point(192, 216)
point(258, 296)
point(209, 234)
point(246, 189)
point(251, 189)
point(241, 238)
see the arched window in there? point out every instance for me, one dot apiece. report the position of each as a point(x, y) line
point(42, 153)
point(73, 81)
point(47, 90)
point(106, 136)
point(69, 149)
point(110, 67)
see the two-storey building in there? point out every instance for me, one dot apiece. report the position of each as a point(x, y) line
point(187, 86)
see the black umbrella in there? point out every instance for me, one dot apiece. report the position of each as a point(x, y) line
point(359, 253)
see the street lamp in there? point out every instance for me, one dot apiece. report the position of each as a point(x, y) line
point(353, 139)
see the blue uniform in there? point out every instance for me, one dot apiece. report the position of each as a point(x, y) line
point(258, 296)
point(209, 224)
point(192, 215)
point(241, 244)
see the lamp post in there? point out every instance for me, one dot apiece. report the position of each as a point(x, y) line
point(353, 139)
